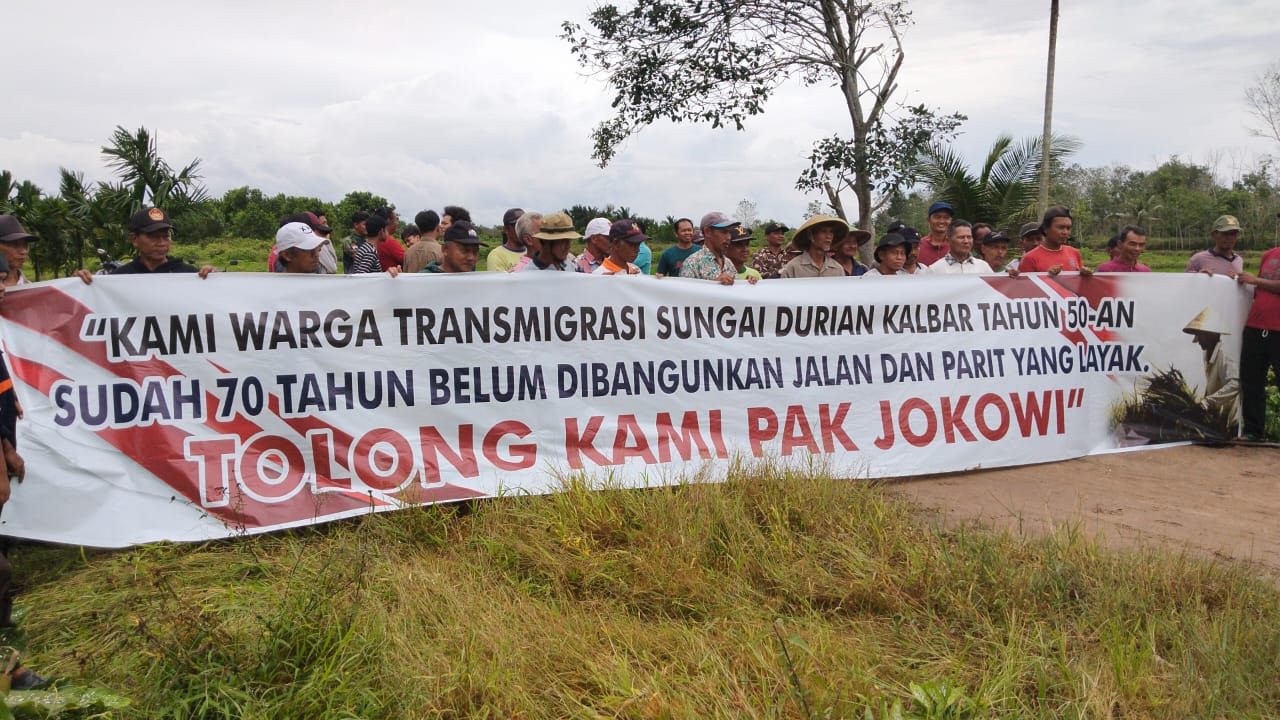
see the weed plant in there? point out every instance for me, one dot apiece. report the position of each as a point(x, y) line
point(772, 595)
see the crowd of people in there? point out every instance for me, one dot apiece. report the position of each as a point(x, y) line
point(717, 249)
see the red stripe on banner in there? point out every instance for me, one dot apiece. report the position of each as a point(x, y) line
point(160, 448)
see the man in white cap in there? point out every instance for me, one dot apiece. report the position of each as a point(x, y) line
point(597, 248)
point(298, 248)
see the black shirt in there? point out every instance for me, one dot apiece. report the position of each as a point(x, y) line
point(171, 265)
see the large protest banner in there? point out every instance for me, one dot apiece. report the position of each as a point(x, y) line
point(174, 408)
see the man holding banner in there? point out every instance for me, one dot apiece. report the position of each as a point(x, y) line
point(1260, 349)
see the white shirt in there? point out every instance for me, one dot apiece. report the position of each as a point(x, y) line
point(948, 265)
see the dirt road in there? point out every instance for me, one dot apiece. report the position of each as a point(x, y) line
point(1219, 501)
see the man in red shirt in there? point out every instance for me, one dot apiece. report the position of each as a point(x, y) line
point(1132, 243)
point(1260, 347)
point(1054, 255)
point(936, 245)
point(390, 251)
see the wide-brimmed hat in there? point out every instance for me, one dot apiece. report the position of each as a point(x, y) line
point(801, 238)
point(11, 230)
point(557, 226)
point(1205, 321)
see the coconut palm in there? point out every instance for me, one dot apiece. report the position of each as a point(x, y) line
point(1004, 191)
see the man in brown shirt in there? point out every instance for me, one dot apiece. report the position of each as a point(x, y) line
point(427, 250)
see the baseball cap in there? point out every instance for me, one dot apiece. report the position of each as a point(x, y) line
point(11, 230)
point(911, 234)
point(598, 226)
point(892, 239)
point(557, 226)
point(511, 216)
point(717, 220)
point(462, 232)
point(994, 237)
point(739, 234)
point(774, 227)
point(941, 206)
point(627, 230)
point(297, 235)
point(1226, 223)
point(1029, 229)
point(149, 220)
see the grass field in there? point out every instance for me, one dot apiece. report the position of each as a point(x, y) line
point(769, 596)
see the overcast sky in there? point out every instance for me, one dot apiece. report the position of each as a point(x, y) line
point(480, 104)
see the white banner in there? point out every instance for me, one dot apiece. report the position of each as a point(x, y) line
point(174, 408)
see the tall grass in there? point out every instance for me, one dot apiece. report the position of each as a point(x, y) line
point(773, 595)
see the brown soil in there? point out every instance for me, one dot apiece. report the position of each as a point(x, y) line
point(1223, 502)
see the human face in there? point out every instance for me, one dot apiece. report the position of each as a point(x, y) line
point(459, 257)
point(1031, 241)
point(847, 248)
point(892, 259)
point(738, 252)
point(622, 252)
point(980, 234)
point(445, 222)
point(412, 240)
point(16, 253)
point(684, 232)
point(1132, 247)
point(939, 221)
point(1058, 233)
point(996, 254)
point(775, 239)
point(297, 260)
point(715, 238)
point(598, 245)
point(1223, 242)
point(512, 238)
point(558, 250)
point(821, 237)
point(961, 242)
point(359, 229)
point(152, 247)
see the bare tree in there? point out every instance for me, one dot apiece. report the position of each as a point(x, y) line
point(1263, 98)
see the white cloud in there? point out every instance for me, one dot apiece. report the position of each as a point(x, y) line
point(480, 104)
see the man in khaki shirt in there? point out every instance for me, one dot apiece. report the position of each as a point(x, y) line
point(427, 250)
point(814, 238)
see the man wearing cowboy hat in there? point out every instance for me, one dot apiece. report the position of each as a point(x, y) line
point(552, 249)
point(1221, 378)
point(814, 239)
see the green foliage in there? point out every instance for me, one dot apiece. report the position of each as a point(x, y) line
point(718, 63)
point(1005, 188)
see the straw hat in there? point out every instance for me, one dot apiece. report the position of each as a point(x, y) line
point(1205, 321)
point(801, 238)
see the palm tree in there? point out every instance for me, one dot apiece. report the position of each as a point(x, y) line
point(148, 177)
point(1005, 189)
